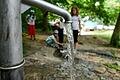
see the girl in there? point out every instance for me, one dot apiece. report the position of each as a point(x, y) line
point(75, 24)
point(31, 24)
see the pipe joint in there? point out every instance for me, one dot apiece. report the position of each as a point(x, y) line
point(13, 67)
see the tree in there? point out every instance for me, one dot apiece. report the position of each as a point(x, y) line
point(115, 40)
point(107, 10)
point(87, 7)
point(45, 20)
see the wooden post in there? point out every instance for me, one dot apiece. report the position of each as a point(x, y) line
point(11, 54)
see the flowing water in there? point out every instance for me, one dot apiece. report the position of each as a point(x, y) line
point(70, 51)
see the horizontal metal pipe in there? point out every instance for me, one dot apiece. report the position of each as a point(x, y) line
point(49, 7)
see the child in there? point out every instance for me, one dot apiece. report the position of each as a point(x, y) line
point(52, 41)
point(60, 25)
point(75, 24)
point(31, 24)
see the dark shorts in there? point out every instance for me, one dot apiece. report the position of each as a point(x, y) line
point(75, 35)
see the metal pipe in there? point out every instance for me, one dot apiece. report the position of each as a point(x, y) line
point(11, 53)
point(49, 7)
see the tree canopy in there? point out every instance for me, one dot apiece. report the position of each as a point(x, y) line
point(106, 10)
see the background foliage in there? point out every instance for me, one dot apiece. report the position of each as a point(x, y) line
point(107, 11)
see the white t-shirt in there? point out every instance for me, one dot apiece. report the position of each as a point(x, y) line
point(31, 19)
point(51, 38)
point(56, 31)
point(75, 22)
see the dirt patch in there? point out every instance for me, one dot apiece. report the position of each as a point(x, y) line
point(41, 64)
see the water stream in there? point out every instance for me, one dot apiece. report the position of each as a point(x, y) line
point(70, 48)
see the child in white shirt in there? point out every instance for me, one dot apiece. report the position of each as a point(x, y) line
point(75, 24)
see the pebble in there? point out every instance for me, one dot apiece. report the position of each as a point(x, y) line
point(100, 70)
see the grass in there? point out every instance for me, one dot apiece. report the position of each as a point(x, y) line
point(104, 34)
point(113, 66)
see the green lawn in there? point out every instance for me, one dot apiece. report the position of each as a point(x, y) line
point(104, 34)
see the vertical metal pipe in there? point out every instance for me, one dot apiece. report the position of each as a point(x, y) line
point(49, 7)
point(11, 57)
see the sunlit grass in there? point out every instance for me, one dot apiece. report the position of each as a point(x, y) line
point(113, 66)
point(104, 34)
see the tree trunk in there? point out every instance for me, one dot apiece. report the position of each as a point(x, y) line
point(45, 20)
point(115, 40)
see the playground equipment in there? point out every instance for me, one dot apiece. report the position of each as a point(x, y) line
point(11, 52)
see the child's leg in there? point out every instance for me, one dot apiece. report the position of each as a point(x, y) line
point(34, 32)
point(31, 37)
point(75, 35)
point(74, 45)
point(34, 37)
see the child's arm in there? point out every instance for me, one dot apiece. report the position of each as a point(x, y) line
point(79, 20)
point(27, 18)
point(57, 42)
